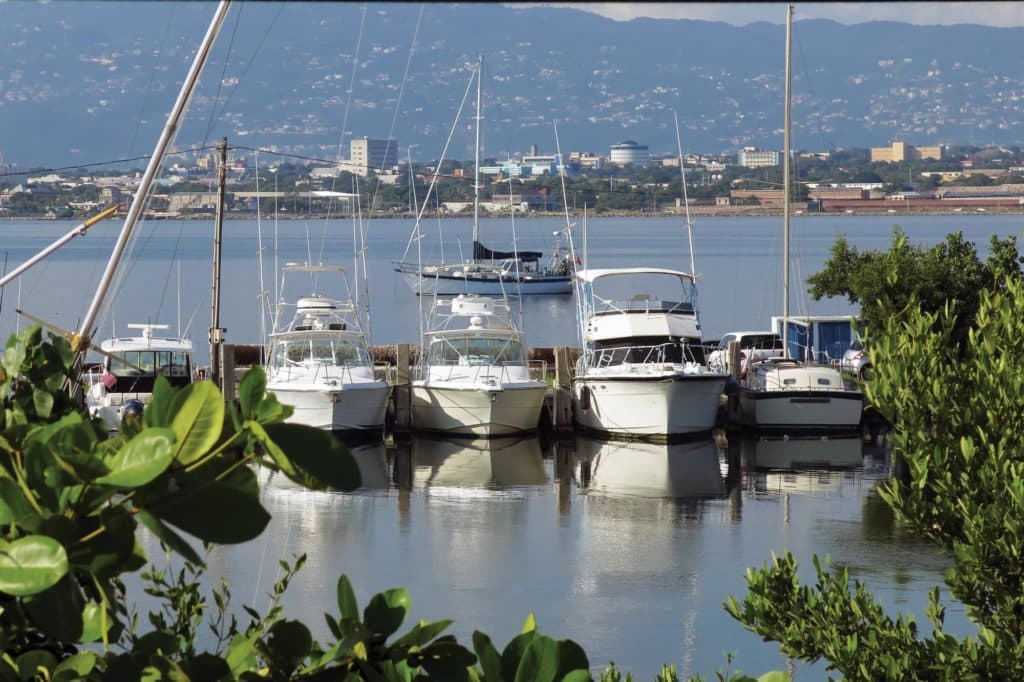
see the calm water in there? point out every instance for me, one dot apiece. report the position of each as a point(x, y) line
point(628, 549)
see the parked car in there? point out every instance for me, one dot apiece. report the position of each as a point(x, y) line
point(856, 361)
point(757, 346)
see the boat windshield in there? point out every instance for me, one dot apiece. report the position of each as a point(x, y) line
point(643, 291)
point(476, 351)
point(138, 363)
point(338, 352)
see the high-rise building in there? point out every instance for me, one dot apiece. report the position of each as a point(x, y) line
point(366, 155)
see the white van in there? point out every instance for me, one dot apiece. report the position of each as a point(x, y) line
point(756, 346)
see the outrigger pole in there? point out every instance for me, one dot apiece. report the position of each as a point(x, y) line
point(80, 340)
point(77, 230)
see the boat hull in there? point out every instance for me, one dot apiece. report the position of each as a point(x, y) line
point(351, 408)
point(453, 286)
point(801, 410)
point(647, 407)
point(474, 411)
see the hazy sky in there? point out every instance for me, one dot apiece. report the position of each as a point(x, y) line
point(1002, 14)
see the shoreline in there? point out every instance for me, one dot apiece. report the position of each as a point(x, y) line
point(724, 211)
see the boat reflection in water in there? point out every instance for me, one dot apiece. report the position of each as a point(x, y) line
point(800, 465)
point(469, 468)
point(371, 458)
point(645, 469)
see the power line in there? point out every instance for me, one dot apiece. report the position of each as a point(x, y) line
point(101, 163)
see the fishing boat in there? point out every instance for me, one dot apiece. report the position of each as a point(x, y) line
point(642, 372)
point(123, 384)
point(319, 361)
point(488, 272)
point(784, 393)
point(473, 375)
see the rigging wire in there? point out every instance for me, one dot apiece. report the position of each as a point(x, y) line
point(223, 72)
point(398, 102)
point(152, 78)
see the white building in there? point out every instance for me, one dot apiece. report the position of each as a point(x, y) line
point(752, 157)
point(367, 155)
point(629, 151)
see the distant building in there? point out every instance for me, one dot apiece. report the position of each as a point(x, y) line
point(752, 157)
point(901, 151)
point(629, 151)
point(366, 155)
point(585, 160)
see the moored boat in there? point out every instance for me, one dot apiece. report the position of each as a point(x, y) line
point(473, 376)
point(642, 372)
point(319, 363)
point(124, 382)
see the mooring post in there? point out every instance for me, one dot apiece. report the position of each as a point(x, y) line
point(227, 370)
point(402, 390)
point(562, 413)
point(735, 363)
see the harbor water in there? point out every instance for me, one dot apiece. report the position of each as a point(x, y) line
point(629, 549)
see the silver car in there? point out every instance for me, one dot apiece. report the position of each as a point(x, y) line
point(856, 361)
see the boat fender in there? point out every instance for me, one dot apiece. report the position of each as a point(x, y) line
point(732, 386)
point(584, 397)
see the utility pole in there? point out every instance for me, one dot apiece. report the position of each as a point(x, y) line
point(216, 331)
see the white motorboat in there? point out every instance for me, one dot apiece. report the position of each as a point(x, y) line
point(783, 393)
point(473, 375)
point(125, 380)
point(319, 362)
point(642, 372)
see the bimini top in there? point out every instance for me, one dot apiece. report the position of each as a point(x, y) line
point(593, 274)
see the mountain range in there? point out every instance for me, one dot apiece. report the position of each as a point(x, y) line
point(86, 82)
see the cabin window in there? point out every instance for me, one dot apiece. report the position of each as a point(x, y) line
point(149, 363)
point(476, 351)
point(789, 382)
point(341, 353)
point(824, 382)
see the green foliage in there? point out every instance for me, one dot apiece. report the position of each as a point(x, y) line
point(72, 498)
point(886, 283)
point(960, 413)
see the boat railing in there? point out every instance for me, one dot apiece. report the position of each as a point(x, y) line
point(492, 374)
point(384, 371)
point(664, 353)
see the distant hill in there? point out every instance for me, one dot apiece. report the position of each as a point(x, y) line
point(90, 81)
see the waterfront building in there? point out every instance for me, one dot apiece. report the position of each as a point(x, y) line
point(629, 151)
point(752, 157)
point(366, 155)
point(901, 151)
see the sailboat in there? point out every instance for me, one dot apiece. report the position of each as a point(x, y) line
point(784, 392)
point(489, 272)
point(320, 364)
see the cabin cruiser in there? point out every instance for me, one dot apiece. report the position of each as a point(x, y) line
point(473, 377)
point(788, 394)
point(124, 382)
point(642, 372)
point(320, 364)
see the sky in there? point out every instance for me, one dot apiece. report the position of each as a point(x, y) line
point(999, 14)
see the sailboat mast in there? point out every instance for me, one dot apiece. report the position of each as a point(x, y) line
point(476, 158)
point(80, 343)
point(786, 183)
